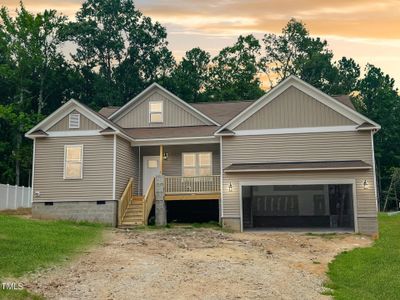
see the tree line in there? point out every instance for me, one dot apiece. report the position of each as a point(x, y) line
point(116, 52)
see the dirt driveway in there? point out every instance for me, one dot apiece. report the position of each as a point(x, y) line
point(183, 263)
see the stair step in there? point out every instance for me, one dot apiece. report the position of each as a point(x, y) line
point(128, 224)
point(132, 222)
point(137, 216)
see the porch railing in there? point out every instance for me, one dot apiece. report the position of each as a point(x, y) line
point(148, 201)
point(124, 201)
point(192, 185)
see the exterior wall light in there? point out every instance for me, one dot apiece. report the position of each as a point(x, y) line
point(365, 184)
point(230, 186)
point(165, 155)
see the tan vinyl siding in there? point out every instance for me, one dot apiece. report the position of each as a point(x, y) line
point(174, 114)
point(124, 166)
point(293, 108)
point(97, 182)
point(85, 124)
point(173, 165)
point(299, 147)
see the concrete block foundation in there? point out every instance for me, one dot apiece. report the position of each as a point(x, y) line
point(231, 223)
point(93, 211)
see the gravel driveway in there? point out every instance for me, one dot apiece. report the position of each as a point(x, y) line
point(187, 263)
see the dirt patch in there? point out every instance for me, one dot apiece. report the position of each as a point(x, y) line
point(19, 211)
point(197, 263)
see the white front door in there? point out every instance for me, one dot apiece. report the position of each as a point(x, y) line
point(151, 168)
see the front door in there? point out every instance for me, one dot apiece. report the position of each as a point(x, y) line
point(151, 168)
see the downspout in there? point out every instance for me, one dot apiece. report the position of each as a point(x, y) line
point(374, 170)
point(140, 174)
point(221, 179)
point(33, 168)
point(114, 165)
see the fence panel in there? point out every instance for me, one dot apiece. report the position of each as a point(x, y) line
point(13, 197)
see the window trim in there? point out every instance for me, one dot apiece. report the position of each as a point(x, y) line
point(156, 112)
point(197, 163)
point(79, 120)
point(65, 162)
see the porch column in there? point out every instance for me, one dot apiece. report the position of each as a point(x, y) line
point(161, 159)
point(161, 208)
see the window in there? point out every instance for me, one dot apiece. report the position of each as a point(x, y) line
point(73, 155)
point(74, 121)
point(197, 164)
point(152, 164)
point(156, 111)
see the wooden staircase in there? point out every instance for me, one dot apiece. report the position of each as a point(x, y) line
point(135, 210)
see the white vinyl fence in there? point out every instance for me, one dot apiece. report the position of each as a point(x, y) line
point(13, 197)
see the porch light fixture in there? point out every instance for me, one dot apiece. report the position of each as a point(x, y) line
point(365, 184)
point(165, 155)
point(230, 186)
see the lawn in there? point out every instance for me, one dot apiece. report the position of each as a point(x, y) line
point(27, 245)
point(370, 273)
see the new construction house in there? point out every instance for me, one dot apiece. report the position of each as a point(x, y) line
point(295, 158)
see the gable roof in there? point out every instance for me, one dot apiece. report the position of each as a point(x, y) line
point(66, 109)
point(329, 101)
point(224, 111)
point(108, 110)
point(125, 109)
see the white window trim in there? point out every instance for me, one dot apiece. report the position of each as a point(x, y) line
point(156, 112)
point(197, 166)
point(65, 162)
point(79, 120)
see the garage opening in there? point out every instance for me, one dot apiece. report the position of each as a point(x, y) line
point(298, 206)
point(192, 211)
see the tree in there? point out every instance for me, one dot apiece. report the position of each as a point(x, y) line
point(189, 79)
point(344, 77)
point(294, 52)
point(379, 100)
point(234, 73)
point(33, 48)
point(14, 149)
point(119, 52)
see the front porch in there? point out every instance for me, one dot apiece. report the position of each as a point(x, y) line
point(184, 172)
point(192, 188)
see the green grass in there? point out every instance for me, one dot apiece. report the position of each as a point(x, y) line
point(28, 245)
point(369, 273)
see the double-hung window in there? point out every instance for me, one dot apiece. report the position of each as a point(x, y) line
point(156, 111)
point(73, 161)
point(197, 164)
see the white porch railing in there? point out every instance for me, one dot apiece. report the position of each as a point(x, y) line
point(192, 185)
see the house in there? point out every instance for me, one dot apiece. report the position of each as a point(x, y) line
point(294, 158)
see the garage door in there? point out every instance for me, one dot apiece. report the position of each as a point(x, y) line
point(298, 206)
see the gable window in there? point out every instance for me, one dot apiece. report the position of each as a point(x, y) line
point(74, 121)
point(156, 111)
point(197, 164)
point(73, 161)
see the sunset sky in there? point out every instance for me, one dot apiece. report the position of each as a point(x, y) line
point(366, 30)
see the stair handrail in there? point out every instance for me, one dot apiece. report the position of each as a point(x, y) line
point(148, 201)
point(124, 201)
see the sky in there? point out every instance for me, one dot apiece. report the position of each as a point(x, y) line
point(366, 30)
